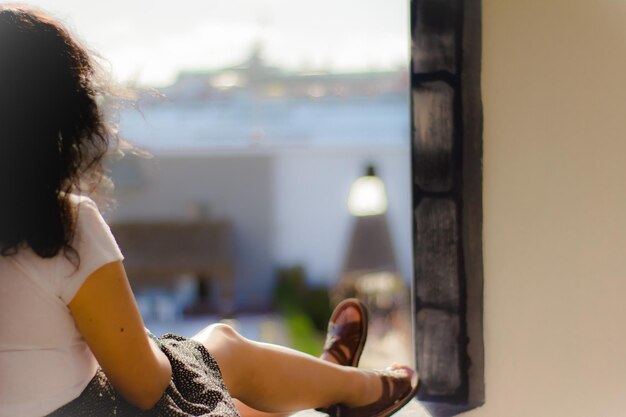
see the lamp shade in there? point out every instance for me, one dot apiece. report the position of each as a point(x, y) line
point(370, 249)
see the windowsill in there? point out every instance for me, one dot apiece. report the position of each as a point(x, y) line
point(412, 409)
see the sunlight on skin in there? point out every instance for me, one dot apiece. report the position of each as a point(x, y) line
point(349, 315)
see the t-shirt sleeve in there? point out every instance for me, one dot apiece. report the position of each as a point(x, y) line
point(95, 245)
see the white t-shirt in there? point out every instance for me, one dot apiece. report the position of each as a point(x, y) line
point(44, 361)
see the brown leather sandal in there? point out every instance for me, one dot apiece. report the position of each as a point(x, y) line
point(397, 392)
point(345, 342)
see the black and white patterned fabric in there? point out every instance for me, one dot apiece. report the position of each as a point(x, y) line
point(197, 388)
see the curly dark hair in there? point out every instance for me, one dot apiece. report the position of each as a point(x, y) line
point(53, 135)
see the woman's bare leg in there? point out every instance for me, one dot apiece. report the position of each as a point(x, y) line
point(351, 314)
point(276, 379)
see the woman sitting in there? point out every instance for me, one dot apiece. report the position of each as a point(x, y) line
point(72, 340)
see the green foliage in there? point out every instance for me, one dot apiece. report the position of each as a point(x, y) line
point(306, 309)
point(317, 306)
point(303, 335)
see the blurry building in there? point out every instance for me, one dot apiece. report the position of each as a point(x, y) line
point(273, 153)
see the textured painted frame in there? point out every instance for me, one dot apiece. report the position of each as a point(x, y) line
point(446, 114)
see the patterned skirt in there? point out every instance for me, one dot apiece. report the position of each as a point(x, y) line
point(197, 388)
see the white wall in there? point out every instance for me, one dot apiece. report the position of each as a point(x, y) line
point(554, 91)
point(287, 207)
point(238, 188)
point(312, 222)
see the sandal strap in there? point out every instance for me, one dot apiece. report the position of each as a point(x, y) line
point(394, 390)
point(345, 342)
point(341, 341)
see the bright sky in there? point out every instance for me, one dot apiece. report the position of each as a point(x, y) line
point(151, 40)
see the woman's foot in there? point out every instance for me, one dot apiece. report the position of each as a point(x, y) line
point(384, 393)
point(347, 333)
point(346, 336)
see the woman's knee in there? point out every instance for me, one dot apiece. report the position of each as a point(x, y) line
point(229, 349)
point(221, 339)
point(224, 330)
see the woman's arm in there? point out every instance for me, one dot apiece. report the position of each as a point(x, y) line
point(106, 314)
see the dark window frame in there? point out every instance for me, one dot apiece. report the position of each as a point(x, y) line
point(446, 114)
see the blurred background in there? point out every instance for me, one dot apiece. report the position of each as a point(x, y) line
point(279, 176)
